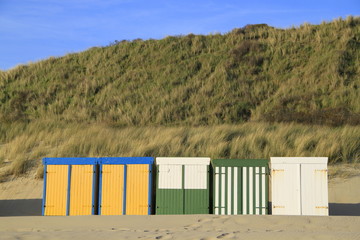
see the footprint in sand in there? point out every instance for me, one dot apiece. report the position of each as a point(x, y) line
point(204, 220)
point(223, 235)
point(163, 237)
point(192, 226)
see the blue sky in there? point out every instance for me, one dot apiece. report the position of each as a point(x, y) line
point(31, 30)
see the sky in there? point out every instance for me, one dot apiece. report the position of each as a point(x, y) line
point(31, 30)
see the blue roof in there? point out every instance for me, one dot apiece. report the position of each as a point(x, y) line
point(101, 160)
point(70, 161)
point(126, 160)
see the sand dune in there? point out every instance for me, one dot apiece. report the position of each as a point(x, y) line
point(20, 202)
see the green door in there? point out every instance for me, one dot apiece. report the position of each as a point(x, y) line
point(182, 189)
point(196, 187)
point(196, 201)
point(169, 201)
point(169, 190)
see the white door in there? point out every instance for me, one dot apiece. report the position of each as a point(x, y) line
point(170, 176)
point(195, 177)
point(285, 189)
point(314, 189)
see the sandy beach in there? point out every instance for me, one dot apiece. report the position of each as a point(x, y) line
point(180, 227)
point(20, 210)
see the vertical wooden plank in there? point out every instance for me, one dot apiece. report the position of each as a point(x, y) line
point(56, 190)
point(112, 189)
point(137, 192)
point(81, 190)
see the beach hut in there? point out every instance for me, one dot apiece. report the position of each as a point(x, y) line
point(240, 186)
point(125, 186)
point(69, 186)
point(182, 185)
point(299, 186)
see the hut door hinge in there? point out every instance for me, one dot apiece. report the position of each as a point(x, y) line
point(325, 207)
point(278, 206)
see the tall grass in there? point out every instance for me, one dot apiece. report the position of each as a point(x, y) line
point(23, 151)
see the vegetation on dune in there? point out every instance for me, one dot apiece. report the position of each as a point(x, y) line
point(194, 95)
point(308, 75)
point(26, 144)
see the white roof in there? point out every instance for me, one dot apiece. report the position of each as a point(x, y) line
point(297, 160)
point(183, 160)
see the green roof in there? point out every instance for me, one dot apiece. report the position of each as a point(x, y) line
point(239, 162)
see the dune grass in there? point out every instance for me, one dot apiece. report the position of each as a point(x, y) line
point(25, 145)
point(309, 75)
point(344, 171)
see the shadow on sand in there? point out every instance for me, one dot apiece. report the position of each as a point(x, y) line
point(32, 207)
point(344, 209)
point(20, 207)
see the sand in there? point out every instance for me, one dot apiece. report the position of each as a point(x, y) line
point(180, 227)
point(20, 205)
point(21, 197)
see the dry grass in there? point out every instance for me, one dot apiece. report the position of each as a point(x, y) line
point(309, 75)
point(344, 171)
point(23, 150)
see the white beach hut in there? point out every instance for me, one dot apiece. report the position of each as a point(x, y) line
point(299, 186)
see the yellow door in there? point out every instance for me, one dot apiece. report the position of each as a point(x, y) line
point(81, 190)
point(56, 190)
point(112, 190)
point(137, 189)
